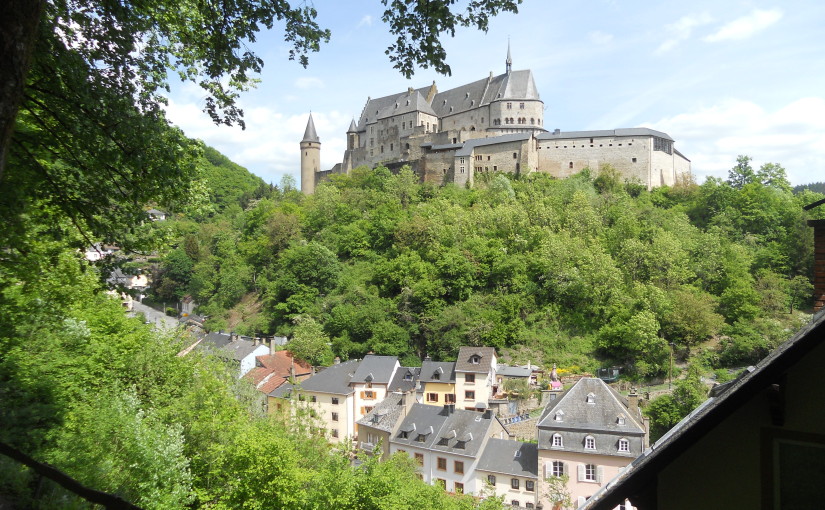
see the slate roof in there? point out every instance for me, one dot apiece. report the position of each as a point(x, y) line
point(406, 103)
point(514, 86)
point(352, 127)
point(510, 458)
point(603, 133)
point(334, 379)
point(223, 344)
point(469, 145)
point(399, 381)
point(375, 369)
point(642, 472)
point(485, 364)
point(599, 416)
point(385, 415)
point(374, 107)
point(508, 371)
point(464, 431)
point(310, 135)
point(429, 368)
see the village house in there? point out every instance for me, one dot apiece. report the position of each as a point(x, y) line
point(437, 382)
point(274, 369)
point(240, 351)
point(447, 443)
point(475, 370)
point(378, 427)
point(510, 469)
point(590, 433)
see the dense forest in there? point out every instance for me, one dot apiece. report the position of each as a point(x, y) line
point(581, 272)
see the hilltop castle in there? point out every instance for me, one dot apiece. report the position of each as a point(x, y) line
point(491, 125)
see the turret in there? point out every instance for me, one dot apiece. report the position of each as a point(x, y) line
point(310, 158)
point(352, 136)
point(509, 62)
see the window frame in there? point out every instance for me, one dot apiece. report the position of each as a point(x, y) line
point(441, 463)
point(458, 467)
point(515, 483)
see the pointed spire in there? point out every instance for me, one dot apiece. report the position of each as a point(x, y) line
point(310, 135)
point(509, 63)
point(352, 127)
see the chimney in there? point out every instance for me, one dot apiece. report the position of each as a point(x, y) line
point(449, 408)
point(272, 349)
point(633, 403)
point(819, 260)
point(488, 414)
point(257, 341)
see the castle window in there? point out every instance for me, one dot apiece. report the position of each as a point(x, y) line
point(495, 168)
point(515, 155)
point(382, 149)
point(482, 120)
point(371, 152)
point(521, 106)
point(403, 125)
point(532, 120)
point(509, 106)
point(571, 165)
point(391, 146)
point(462, 169)
point(634, 160)
point(488, 158)
point(486, 168)
point(408, 146)
point(591, 140)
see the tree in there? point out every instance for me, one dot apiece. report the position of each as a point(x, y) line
point(309, 342)
point(742, 173)
point(558, 493)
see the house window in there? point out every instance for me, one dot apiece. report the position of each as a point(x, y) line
point(529, 485)
point(469, 378)
point(335, 400)
point(589, 473)
point(441, 464)
point(469, 395)
point(440, 482)
point(369, 395)
point(334, 432)
point(432, 397)
point(514, 483)
point(404, 435)
point(313, 398)
point(449, 398)
point(368, 409)
point(624, 445)
point(334, 416)
point(529, 505)
point(559, 415)
point(420, 438)
point(443, 441)
point(591, 398)
point(458, 467)
point(557, 468)
point(419, 458)
point(515, 503)
point(557, 441)
point(436, 376)
point(620, 419)
point(491, 479)
point(459, 488)
point(589, 443)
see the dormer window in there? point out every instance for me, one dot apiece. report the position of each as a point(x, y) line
point(408, 376)
point(620, 419)
point(420, 438)
point(589, 443)
point(559, 415)
point(591, 398)
point(558, 442)
point(475, 359)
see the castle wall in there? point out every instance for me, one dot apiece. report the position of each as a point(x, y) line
point(530, 110)
point(510, 157)
point(437, 167)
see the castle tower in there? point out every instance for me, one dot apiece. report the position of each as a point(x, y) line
point(509, 62)
point(310, 158)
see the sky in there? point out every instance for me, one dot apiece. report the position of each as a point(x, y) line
point(722, 78)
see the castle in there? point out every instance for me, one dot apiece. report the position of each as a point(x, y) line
point(491, 125)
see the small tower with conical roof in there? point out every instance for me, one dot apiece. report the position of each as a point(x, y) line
point(352, 136)
point(509, 62)
point(310, 158)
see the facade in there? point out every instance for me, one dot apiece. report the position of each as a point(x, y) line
point(475, 370)
point(508, 468)
point(496, 124)
point(590, 434)
point(757, 442)
point(376, 428)
point(437, 382)
point(371, 382)
point(447, 443)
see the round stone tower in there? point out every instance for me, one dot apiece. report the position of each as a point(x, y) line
point(310, 158)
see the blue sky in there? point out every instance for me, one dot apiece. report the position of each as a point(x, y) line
point(722, 78)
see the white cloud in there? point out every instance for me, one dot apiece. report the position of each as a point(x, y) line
point(601, 38)
point(712, 137)
point(746, 26)
point(366, 21)
point(309, 82)
point(681, 30)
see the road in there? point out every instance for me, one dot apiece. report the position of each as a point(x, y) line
point(159, 319)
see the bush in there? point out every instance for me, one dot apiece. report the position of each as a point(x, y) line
point(171, 312)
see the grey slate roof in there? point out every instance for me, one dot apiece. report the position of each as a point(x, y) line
point(430, 368)
point(375, 369)
point(484, 365)
point(469, 145)
point(406, 103)
point(223, 345)
point(352, 127)
point(385, 415)
point(510, 458)
point(310, 135)
point(282, 391)
point(464, 431)
point(334, 379)
point(517, 85)
point(508, 371)
point(405, 378)
point(604, 132)
point(374, 107)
